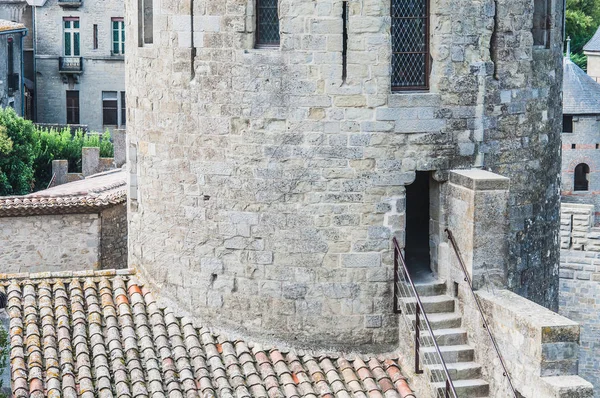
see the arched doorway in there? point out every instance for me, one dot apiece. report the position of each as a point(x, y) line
point(582, 172)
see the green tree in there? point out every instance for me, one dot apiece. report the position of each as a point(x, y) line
point(582, 18)
point(16, 164)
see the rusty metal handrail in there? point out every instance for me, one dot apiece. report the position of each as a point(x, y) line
point(419, 309)
point(484, 320)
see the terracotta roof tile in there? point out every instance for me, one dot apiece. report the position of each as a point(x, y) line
point(102, 334)
point(85, 196)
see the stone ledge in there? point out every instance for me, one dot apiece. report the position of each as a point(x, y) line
point(413, 99)
point(479, 180)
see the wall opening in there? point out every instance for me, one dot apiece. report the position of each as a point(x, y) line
point(417, 250)
point(582, 172)
point(567, 124)
point(541, 23)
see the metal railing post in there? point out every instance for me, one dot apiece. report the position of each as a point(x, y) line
point(417, 330)
point(396, 281)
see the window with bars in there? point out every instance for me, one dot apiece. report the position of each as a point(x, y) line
point(71, 33)
point(410, 44)
point(118, 36)
point(73, 107)
point(267, 23)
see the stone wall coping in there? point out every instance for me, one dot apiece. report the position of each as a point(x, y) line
point(566, 206)
point(8, 278)
point(551, 326)
point(479, 180)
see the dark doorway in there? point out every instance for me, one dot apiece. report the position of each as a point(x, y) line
point(581, 177)
point(417, 227)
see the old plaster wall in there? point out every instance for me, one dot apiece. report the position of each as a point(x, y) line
point(266, 190)
point(47, 243)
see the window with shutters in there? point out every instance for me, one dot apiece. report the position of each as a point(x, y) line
point(118, 36)
point(267, 23)
point(71, 37)
point(410, 44)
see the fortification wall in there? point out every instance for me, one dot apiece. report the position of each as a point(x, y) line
point(265, 189)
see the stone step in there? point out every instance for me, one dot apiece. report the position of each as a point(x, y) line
point(450, 353)
point(450, 336)
point(457, 371)
point(444, 320)
point(433, 304)
point(436, 288)
point(470, 388)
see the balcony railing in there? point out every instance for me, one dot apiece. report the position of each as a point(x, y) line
point(70, 3)
point(70, 64)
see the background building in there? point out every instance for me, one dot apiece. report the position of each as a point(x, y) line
point(79, 51)
point(11, 66)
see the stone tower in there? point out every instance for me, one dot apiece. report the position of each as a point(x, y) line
point(271, 166)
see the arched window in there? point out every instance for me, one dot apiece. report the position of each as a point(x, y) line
point(581, 177)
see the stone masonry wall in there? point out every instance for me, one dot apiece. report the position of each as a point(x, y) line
point(49, 243)
point(586, 138)
point(113, 237)
point(265, 190)
point(102, 71)
point(580, 283)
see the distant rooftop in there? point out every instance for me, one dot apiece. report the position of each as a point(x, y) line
point(581, 93)
point(594, 44)
point(84, 196)
point(6, 25)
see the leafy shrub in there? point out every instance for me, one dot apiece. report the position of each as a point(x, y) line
point(59, 145)
point(19, 146)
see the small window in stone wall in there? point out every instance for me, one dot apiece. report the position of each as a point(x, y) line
point(542, 15)
point(145, 22)
point(567, 124)
point(72, 107)
point(410, 45)
point(582, 172)
point(267, 23)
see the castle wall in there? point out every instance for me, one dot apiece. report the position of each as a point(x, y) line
point(266, 190)
point(586, 138)
point(113, 237)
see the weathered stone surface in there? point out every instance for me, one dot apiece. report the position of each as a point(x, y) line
point(322, 163)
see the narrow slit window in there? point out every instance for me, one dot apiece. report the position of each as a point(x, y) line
point(541, 23)
point(345, 40)
point(123, 109)
point(267, 23)
point(410, 44)
point(582, 172)
point(11, 57)
point(145, 22)
point(567, 124)
point(95, 36)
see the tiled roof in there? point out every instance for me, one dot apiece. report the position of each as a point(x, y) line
point(6, 26)
point(84, 196)
point(102, 334)
point(581, 93)
point(594, 43)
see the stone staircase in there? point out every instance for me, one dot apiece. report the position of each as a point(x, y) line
point(446, 324)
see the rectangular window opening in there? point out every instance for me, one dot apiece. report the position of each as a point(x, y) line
point(148, 21)
point(567, 124)
point(573, 146)
point(110, 109)
point(11, 57)
point(72, 107)
point(118, 36)
point(410, 44)
point(267, 24)
point(95, 36)
point(123, 109)
point(542, 16)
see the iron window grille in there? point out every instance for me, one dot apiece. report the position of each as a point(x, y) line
point(410, 45)
point(267, 24)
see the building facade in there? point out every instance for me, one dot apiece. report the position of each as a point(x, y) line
point(79, 63)
point(277, 147)
point(11, 65)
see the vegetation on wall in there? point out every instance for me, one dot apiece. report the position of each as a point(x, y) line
point(582, 19)
point(26, 153)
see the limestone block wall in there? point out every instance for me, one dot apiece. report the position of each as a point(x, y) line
point(49, 243)
point(113, 237)
point(265, 189)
